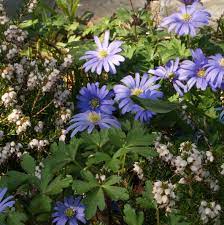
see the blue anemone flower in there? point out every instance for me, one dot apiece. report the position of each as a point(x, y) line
point(194, 71)
point(144, 87)
point(187, 20)
point(91, 119)
point(69, 212)
point(106, 56)
point(7, 202)
point(215, 70)
point(189, 2)
point(170, 72)
point(96, 99)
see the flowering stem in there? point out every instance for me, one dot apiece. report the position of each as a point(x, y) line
point(157, 216)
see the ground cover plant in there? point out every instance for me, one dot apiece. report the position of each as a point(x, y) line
point(114, 122)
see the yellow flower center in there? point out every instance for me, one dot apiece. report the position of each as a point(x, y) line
point(95, 103)
point(201, 73)
point(94, 117)
point(137, 91)
point(171, 76)
point(103, 54)
point(186, 16)
point(221, 62)
point(70, 212)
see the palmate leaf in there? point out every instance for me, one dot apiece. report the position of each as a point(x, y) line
point(158, 106)
point(175, 219)
point(95, 192)
point(147, 201)
point(16, 218)
point(28, 164)
point(131, 217)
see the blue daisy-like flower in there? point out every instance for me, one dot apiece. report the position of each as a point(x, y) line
point(194, 71)
point(189, 2)
point(97, 99)
point(91, 119)
point(106, 56)
point(7, 202)
point(71, 211)
point(144, 87)
point(170, 72)
point(215, 70)
point(187, 20)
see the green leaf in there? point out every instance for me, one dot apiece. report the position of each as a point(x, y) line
point(175, 219)
point(28, 23)
point(147, 200)
point(28, 163)
point(94, 199)
point(158, 106)
point(81, 187)
point(58, 184)
point(116, 193)
point(98, 158)
point(16, 218)
point(40, 204)
point(13, 179)
point(130, 216)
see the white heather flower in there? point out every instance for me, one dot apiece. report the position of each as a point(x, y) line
point(9, 98)
point(38, 170)
point(23, 124)
point(39, 127)
point(63, 135)
point(52, 79)
point(222, 169)
point(164, 194)
point(209, 211)
point(7, 72)
point(164, 152)
point(210, 156)
point(11, 148)
point(15, 35)
point(38, 144)
point(138, 170)
point(1, 134)
point(14, 116)
point(3, 17)
point(67, 62)
point(31, 5)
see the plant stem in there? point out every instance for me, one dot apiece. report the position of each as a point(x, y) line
point(157, 216)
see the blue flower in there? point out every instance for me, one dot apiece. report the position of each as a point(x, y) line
point(144, 87)
point(170, 72)
point(189, 2)
point(89, 120)
point(104, 57)
point(96, 99)
point(7, 202)
point(69, 212)
point(215, 70)
point(187, 20)
point(194, 71)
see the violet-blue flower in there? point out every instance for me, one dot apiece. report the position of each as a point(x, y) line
point(71, 211)
point(94, 98)
point(106, 56)
point(187, 20)
point(144, 87)
point(194, 71)
point(7, 202)
point(215, 70)
point(91, 119)
point(170, 72)
point(189, 2)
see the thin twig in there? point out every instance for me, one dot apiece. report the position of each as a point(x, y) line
point(44, 108)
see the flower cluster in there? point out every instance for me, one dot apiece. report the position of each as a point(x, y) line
point(209, 211)
point(3, 17)
point(164, 194)
point(96, 107)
